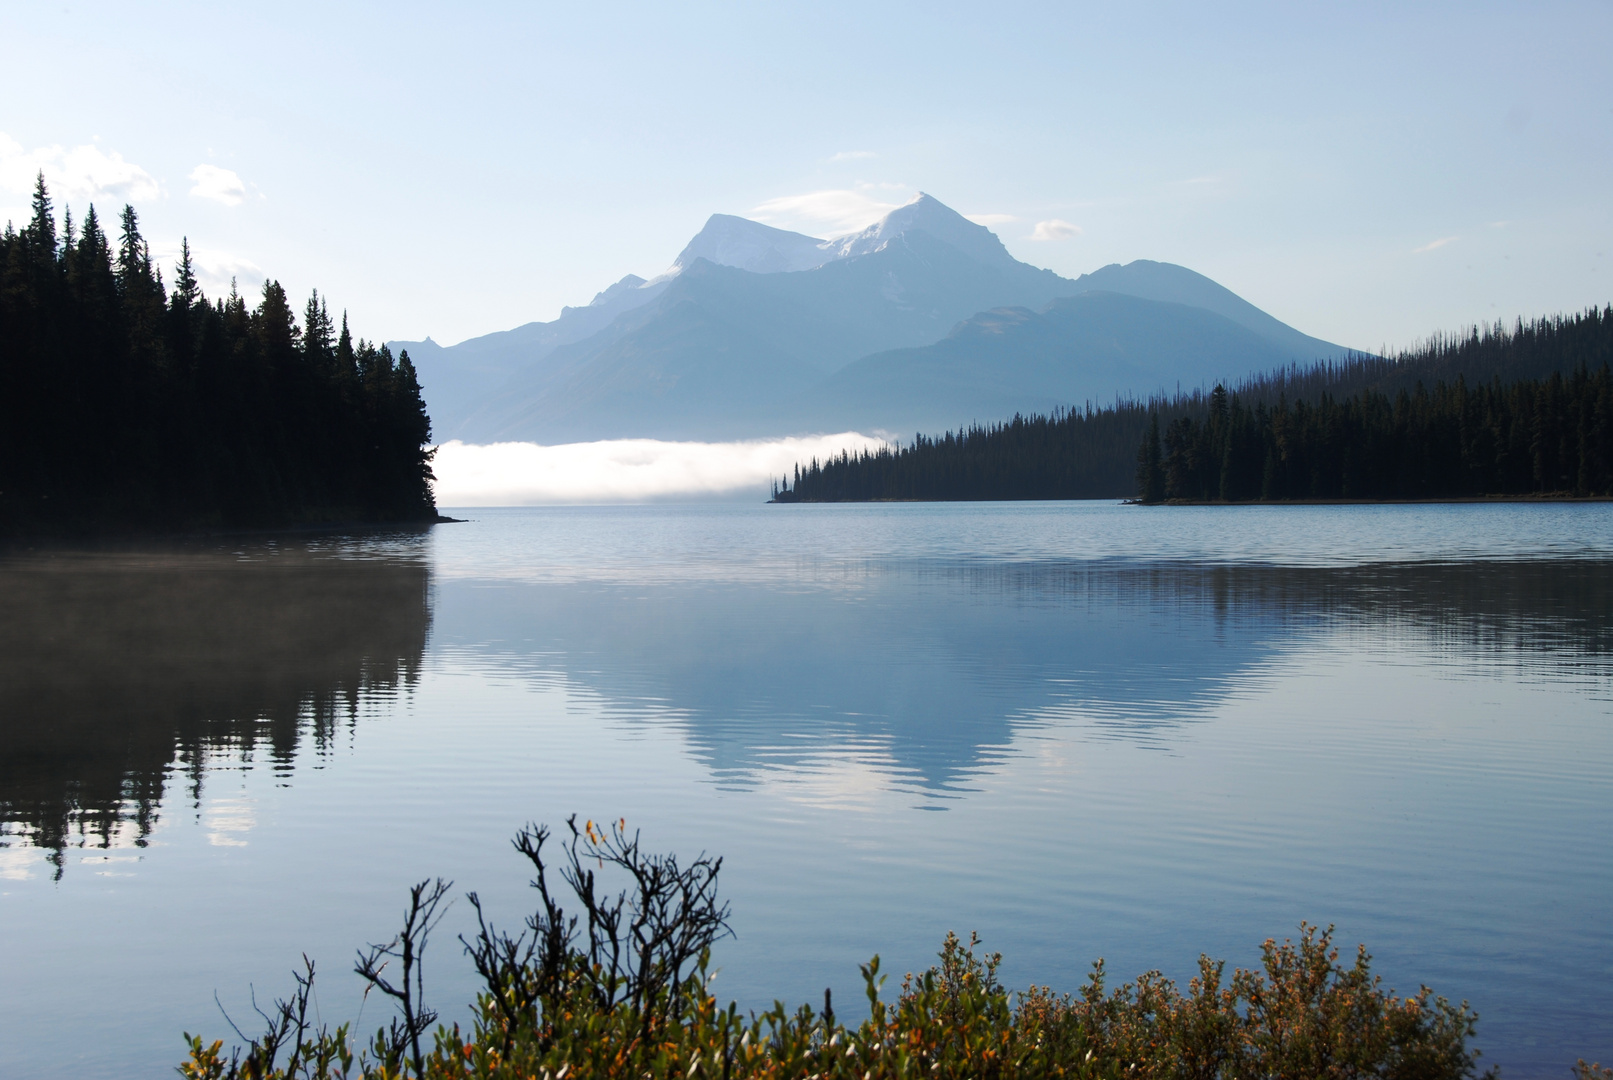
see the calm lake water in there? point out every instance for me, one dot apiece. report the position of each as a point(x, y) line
point(1080, 729)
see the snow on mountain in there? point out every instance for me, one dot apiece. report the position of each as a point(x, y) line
point(926, 214)
point(749, 245)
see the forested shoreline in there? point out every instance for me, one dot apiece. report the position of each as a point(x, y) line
point(1533, 437)
point(132, 407)
point(1501, 412)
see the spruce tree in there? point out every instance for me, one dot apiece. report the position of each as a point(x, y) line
point(187, 292)
point(42, 229)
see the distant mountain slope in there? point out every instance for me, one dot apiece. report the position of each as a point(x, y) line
point(455, 379)
point(458, 377)
point(1088, 347)
point(1179, 285)
point(722, 350)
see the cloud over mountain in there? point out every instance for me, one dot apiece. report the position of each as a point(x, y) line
point(833, 211)
point(1055, 229)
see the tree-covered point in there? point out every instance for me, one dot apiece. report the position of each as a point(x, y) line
point(1549, 436)
point(1069, 455)
point(1513, 411)
point(129, 406)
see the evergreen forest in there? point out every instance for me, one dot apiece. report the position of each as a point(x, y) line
point(1497, 411)
point(128, 405)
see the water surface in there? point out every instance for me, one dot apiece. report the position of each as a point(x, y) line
point(1081, 729)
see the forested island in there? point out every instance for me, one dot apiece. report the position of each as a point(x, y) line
point(1520, 411)
point(130, 406)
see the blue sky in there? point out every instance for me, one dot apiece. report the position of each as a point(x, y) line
point(1368, 173)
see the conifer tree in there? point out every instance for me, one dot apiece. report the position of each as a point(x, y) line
point(42, 229)
point(187, 292)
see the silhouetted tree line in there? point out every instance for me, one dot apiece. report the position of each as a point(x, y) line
point(1534, 436)
point(1068, 455)
point(1513, 411)
point(125, 404)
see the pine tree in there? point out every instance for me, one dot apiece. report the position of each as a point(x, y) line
point(42, 229)
point(346, 358)
point(131, 251)
point(187, 292)
point(317, 331)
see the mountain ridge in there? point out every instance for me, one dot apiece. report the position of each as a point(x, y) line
point(752, 329)
point(794, 328)
point(1017, 360)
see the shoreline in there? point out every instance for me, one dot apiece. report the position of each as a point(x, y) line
point(1555, 497)
point(119, 537)
point(1549, 497)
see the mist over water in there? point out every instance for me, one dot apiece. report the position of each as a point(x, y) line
point(625, 470)
point(1081, 729)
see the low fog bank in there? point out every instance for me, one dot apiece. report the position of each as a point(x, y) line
point(625, 470)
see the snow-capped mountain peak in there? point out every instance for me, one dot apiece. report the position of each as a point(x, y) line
point(749, 245)
point(925, 213)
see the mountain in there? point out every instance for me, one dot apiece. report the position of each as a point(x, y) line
point(1093, 346)
point(458, 377)
point(922, 319)
point(455, 379)
point(723, 351)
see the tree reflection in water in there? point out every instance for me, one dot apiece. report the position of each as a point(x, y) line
point(121, 669)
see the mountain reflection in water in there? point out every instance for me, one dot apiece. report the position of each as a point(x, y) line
point(928, 670)
point(121, 670)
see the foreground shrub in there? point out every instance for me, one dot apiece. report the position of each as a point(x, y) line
point(621, 988)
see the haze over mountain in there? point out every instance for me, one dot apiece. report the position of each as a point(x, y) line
point(1178, 285)
point(1092, 347)
point(923, 320)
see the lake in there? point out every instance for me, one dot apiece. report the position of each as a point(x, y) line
point(1081, 729)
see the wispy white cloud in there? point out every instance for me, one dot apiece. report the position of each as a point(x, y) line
point(623, 470)
point(1435, 245)
point(839, 210)
point(220, 185)
point(988, 220)
point(853, 155)
point(78, 175)
point(1055, 229)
